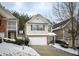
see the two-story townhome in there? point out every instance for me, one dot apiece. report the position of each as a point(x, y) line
point(8, 24)
point(39, 30)
point(62, 31)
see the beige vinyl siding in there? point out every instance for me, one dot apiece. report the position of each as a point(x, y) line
point(67, 36)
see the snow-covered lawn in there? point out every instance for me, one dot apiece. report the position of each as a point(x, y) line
point(9, 49)
point(66, 49)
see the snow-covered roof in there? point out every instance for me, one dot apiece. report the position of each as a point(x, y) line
point(56, 28)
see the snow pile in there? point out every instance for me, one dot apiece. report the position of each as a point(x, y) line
point(9, 39)
point(66, 49)
point(9, 49)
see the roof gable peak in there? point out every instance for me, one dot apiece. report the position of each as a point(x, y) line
point(39, 17)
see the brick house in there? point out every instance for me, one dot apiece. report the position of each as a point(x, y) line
point(8, 24)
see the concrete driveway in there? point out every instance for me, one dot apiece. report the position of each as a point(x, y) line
point(50, 51)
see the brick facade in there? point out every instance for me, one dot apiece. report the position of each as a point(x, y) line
point(3, 26)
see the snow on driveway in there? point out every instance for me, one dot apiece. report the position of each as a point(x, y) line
point(66, 49)
point(9, 49)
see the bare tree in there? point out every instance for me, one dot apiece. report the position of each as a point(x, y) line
point(68, 10)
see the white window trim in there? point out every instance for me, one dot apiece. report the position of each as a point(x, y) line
point(11, 27)
point(38, 29)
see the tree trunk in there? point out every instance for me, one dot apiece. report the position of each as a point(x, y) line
point(73, 37)
point(73, 42)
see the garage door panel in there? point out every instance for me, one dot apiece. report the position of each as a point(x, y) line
point(38, 40)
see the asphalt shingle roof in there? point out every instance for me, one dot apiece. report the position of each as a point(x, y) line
point(60, 24)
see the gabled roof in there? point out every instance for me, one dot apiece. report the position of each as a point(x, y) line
point(38, 15)
point(60, 24)
point(5, 13)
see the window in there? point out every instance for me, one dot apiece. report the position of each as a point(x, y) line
point(49, 28)
point(39, 27)
point(11, 24)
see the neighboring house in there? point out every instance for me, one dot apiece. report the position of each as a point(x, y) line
point(39, 30)
point(8, 24)
point(61, 29)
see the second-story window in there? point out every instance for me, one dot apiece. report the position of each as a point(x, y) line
point(11, 24)
point(38, 27)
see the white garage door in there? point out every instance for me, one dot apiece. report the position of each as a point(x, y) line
point(38, 40)
point(2, 34)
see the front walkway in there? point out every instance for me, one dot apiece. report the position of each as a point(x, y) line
point(50, 51)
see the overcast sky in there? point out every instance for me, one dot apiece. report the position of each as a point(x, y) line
point(32, 8)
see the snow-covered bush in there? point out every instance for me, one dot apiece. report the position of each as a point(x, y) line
point(21, 41)
point(27, 41)
point(17, 41)
point(9, 41)
point(62, 43)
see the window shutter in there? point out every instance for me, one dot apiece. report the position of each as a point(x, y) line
point(0, 20)
point(31, 27)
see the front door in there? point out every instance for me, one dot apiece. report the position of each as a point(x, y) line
point(51, 39)
point(11, 35)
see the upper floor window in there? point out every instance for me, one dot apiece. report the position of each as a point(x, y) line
point(12, 23)
point(39, 27)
